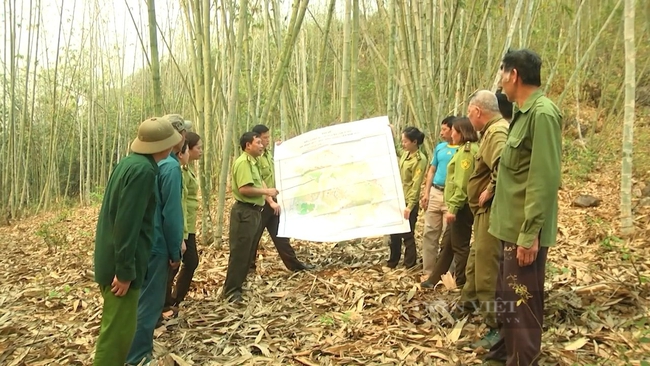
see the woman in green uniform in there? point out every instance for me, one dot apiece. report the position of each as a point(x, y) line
point(190, 207)
point(412, 165)
point(456, 239)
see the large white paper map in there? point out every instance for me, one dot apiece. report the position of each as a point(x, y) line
point(340, 183)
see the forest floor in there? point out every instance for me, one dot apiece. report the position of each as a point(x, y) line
point(351, 309)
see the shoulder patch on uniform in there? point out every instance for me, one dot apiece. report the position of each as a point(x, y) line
point(418, 171)
point(465, 163)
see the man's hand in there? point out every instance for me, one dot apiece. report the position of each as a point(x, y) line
point(407, 213)
point(183, 247)
point(450, 218)
point(424, 202)
point(278, 143)
point(485, 196)
point(276, 208)
point(174, 265)
point(526, 257)
point(120, 288)
point(272, 192)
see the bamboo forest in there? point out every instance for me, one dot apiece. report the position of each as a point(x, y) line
point(93, 207)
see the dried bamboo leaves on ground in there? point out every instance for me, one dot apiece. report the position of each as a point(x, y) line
point(351, 310)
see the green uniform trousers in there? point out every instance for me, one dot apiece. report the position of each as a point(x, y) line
point(244, 224)
point(482, 271)
point(117, 327)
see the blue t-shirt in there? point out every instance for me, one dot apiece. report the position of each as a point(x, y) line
point(441, 156)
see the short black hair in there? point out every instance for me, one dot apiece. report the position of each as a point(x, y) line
point(413, 134)
point(247, 138)
point(448, 121)
point(527, 63)
point(260, 129)
point(505, 106)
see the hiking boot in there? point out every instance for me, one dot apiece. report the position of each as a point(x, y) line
point(427, 284)
point(489, 340)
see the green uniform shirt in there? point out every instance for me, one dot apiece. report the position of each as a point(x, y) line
point(246, 171)
point(190, 200)
point(266, 168)
point(124, 233)
point(526, 195)
point(484, 176)
point(411, 168)
point(459, 169)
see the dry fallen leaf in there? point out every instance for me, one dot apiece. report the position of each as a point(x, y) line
point(577, 344)
point(448, 281)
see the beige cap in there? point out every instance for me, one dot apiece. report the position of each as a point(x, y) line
point(155, 135)
point(179, 123)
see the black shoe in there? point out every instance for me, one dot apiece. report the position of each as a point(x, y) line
point(427, 284)
point(304, 267)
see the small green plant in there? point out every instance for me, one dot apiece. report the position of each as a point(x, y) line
point(86, 234)
point(97, 195)
point(553, 270)
point(611, 242)
point(326, 320)
point(346, 317)
point(579, 161)
point(53, 238)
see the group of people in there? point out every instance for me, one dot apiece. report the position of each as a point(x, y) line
point(496, 175)
point(147, 228)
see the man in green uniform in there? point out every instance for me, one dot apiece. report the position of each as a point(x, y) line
point(125, 235)
point(483, 262)
point(524, 210)
point(250, 195)
point(166, 251)
point(270, 217)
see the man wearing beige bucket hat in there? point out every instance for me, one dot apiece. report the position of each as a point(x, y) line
point(124, 237)
point(166, 251)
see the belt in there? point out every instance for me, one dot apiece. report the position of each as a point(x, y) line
point(251, 205)
point(440, 188)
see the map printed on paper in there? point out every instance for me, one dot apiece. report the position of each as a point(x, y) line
point(340, 183)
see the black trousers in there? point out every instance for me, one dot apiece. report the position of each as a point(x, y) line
point(244, 221)
point(190, 262)
point(410, 250)
point(455, 245)
point(519, 308)
point(271, 222)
